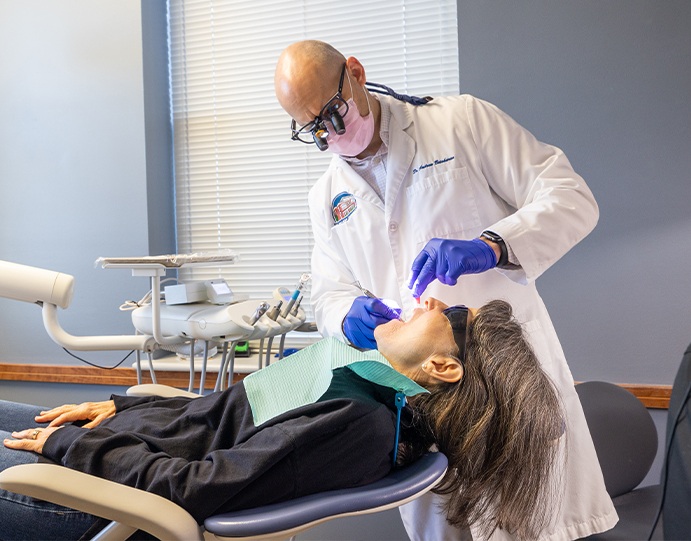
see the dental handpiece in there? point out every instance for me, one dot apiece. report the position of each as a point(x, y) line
point(303, 280)
point(259, 312)
point(275, 310)
point(294, 312)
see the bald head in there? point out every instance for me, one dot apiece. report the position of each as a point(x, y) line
point(307, 78)
point(307, 72)
point(309, 54)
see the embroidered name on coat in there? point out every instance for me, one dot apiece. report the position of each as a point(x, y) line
point(431, 164)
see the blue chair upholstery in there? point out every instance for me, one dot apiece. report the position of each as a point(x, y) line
point(131, 509)
point(397, 488)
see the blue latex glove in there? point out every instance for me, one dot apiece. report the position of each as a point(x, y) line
point(364, 315)
point(447, 259)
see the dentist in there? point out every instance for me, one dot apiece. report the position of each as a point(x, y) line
point(450, 198)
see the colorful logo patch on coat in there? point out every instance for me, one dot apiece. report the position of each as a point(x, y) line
point(342, 206)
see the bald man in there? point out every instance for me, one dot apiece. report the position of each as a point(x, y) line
point(452, 199)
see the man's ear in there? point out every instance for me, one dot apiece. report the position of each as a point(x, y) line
point(357, 70)
point(443, 368)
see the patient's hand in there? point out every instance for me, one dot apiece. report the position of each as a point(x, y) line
point(95, 412)
point(31, 439)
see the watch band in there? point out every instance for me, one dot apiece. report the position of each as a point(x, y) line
point(492, 236)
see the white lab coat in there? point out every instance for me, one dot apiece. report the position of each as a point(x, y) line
point(456, 167)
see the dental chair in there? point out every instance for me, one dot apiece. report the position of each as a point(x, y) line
point(127, 510)
point(130, 509)
point(626, 442)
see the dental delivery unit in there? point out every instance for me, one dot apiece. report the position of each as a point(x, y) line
point(189, 312)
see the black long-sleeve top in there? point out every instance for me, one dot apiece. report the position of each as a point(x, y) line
point(206, 455)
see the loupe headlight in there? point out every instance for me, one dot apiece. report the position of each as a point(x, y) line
point(314, 132)
point(319, 133)
point(333, 112)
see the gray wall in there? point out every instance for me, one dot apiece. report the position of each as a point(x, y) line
point(73, 164)
point(608, 82)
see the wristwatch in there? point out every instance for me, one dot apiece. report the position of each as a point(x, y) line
point(492, 236)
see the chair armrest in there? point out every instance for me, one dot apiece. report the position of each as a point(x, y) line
point(156, 389)
point(107, 499)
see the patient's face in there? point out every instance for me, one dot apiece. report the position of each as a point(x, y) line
point(408, 344)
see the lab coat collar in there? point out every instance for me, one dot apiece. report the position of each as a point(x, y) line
point(354, 183)
point(401, 145)
point(401, 150)
point(400, 111)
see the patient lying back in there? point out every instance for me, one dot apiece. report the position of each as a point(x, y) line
point(326, 418)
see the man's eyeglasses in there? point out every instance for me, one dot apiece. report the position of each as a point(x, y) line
point(315, 132)
point(458, 317)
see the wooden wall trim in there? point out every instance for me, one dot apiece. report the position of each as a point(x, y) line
point(55, 373)
point(652, 396)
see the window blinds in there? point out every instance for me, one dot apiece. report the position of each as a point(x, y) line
point(240, 182)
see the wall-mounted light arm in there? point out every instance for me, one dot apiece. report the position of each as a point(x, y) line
point(51, 289)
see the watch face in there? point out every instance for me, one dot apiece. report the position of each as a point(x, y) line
point(503, 258)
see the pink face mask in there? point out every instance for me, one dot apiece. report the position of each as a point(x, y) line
point(358, 131)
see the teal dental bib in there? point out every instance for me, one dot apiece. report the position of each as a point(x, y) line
point(303, 377)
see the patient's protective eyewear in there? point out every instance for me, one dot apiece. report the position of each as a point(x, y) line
point(315, 132)
point(458, 317)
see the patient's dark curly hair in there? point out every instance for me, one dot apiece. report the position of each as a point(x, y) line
point(500, 428)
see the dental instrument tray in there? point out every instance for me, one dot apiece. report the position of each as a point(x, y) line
point(206, 321)
point(170, 261)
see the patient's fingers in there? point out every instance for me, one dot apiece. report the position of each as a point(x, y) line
point(31, 439)
point(100, 411)
point(104, 413)
point(97, 421)
point(61, 414)
point(53, 413)
point(95, 412)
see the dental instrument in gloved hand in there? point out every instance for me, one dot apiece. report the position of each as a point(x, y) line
point(447, 259)
point(364, 315)
point(365, 292)
point(388, 302)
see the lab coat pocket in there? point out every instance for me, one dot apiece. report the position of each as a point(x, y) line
point(532, 327)
point(443, 205)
